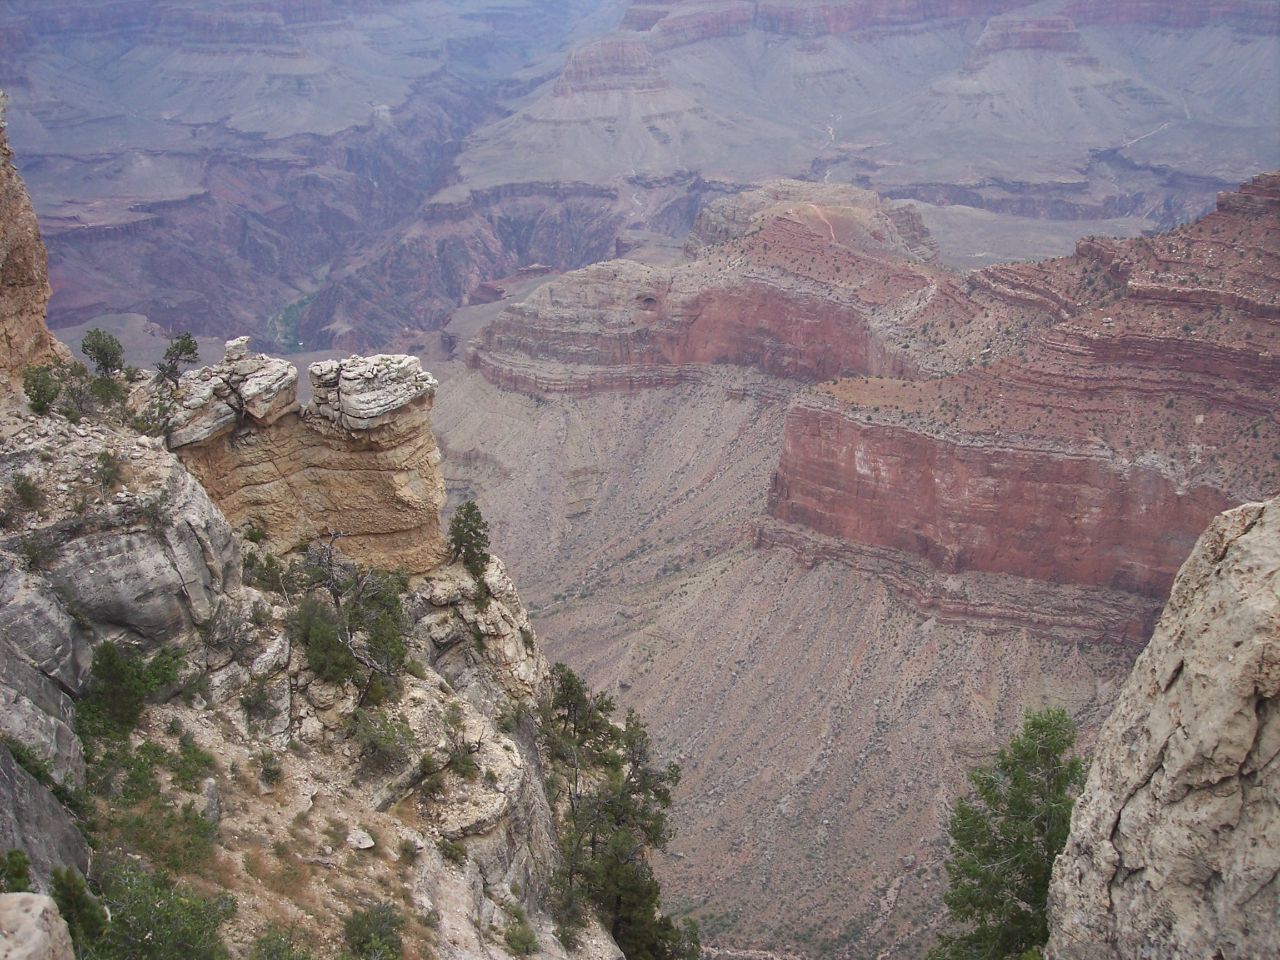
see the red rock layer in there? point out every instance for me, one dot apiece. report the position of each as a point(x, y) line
point(1097, 452)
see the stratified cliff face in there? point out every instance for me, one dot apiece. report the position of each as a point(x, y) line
point(1094, 452)
point(1175, 842)
point(24, 277)
point(359, 461)
point(997, 500)
point(786, 279)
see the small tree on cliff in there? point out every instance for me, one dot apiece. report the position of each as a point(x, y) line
point(104, 350)
point(469, 539)
point(1004, 838)
point(182, 350)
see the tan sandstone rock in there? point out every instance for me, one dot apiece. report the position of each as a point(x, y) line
point(1175, 843)
point(359, 460)
point(32, 929)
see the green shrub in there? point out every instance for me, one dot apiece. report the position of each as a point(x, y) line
point(315, 625)
point(519, 936)
point(106, 470)
point(15, 872)
point(374, 934)
point(41, 387)
point(176, 840)
point(256, 701)
point(269, 768)
point(182, 351)
point(191, 764)
point(118, 686)
point(384, 741)
point(469, 539)
point(28, 491)
point(154, 918)
point(277, 945)
point(451, 850)
point(37, 551)
point(85, 918)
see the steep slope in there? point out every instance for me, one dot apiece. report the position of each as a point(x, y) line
point(1173, 842)
point(641, 430)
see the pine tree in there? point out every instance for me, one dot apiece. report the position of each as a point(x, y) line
point(469, 539)
point(104, 350)
point(1004, 839)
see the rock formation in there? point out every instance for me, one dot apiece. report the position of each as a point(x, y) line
point(1175, 842)
point(31, 929)
point(24, 278)
point(358, 461)
point(986, 432)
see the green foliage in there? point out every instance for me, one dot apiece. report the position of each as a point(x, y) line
point(469, 539)
point(277, 945)
point(315, 624)
point(256, 701)
point(374, 934)
point(451, 850)
point(117, 692)
point(384, 741)
point(107, 391)
point(85, 917)
point(37, 551)
point(155, 918)
point(41, 387)
point(518, 935)
point(104, 350)
point(269, 768)
point(15, 872)
point(28, 491)
point(119, 683)
point(191, 764)
point(73, 800)
point(77, 391)
point(617, 799)
point(1004, 838)
point(182, 351)
point(179, 840)
point(106, 470)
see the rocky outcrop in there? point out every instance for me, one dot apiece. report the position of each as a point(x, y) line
point(1174, 848)
point(359, 461)
point(32, 929)
point(24, 277)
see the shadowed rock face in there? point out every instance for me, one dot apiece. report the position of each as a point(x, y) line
point(358, 461)
point(24, 278)
point(1175, 842)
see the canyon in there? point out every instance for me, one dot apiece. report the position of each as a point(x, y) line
point(185, 171)
point(827, 512)
point(834, 515)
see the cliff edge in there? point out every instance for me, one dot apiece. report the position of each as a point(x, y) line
point(1175, 843)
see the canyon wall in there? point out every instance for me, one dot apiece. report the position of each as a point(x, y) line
point(1173, 848)
point(997, 489)
point(358, 462)
point(24, 277)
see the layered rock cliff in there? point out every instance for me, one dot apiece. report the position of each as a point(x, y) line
point(1174, 848)
point(999, 551)
point(1144, 399)
point(358, 461)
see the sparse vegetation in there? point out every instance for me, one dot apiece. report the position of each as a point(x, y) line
point(1004, 838)
point(374, 934)
point(182, 351)
point(614, 801)
point(15, 872)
